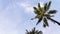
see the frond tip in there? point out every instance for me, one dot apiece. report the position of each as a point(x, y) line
point(39, 5)
point(44, 25)
point(52, 11)
point(35, 8)
point(45, 21)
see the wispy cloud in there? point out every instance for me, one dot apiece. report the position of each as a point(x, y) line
point(26, 6)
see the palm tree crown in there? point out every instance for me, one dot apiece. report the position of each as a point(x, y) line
point(34, 32)
point(43, 13)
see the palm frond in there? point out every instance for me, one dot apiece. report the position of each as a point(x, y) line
point(52, 12)
point(48, 15)
point(40, 19)
point(37, 31)
point(44, 25)
point(33, 18)
point(45, 21)
point(53, 20)
point(39, 5)
point(36, 11)
point(27, 32)
point(37, 16)
point(47, 6)
point(40, 32)
point(35, 8)
point(33, 30)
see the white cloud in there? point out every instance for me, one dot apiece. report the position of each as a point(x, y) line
point(28, 7)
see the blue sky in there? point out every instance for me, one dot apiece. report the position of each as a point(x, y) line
point(15, 16)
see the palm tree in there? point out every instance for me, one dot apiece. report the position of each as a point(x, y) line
point(43, 13)
point(34, 32)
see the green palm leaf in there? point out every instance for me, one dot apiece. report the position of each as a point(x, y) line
point(37, 16)
point(47, 6)
point(27, 32)
point(44, 25)
point(33, 30)
point(52, 12)
point(40, 19)
point(40, 32)
point(35, 8)
point(45, 21)
point(39, 7)
point(48, 15)
point(36, 11)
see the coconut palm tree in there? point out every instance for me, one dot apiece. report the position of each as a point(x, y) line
point(34, 31)
point(43, 13)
